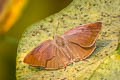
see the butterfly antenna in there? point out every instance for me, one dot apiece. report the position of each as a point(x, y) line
point(57, 28)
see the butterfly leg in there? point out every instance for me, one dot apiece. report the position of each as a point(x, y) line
point(64, 68)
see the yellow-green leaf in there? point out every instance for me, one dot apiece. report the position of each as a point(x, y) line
point(78, 12)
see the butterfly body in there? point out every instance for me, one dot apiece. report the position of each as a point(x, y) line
point(59, 41)
point(74, 45)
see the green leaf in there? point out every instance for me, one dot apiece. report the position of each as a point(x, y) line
point(109, 69)
point(78, 12)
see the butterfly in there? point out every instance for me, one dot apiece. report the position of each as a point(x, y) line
point(74, 45)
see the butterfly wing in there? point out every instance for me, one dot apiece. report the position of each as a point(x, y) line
point(47, 55)
point(79, 53)
point(84, 35)
point(39, 55)
point(59, 61)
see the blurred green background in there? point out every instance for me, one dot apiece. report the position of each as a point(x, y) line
point(32, 11)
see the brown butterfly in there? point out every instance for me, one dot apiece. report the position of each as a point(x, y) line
point(76, 44)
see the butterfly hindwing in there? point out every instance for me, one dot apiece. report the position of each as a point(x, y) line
point(59, 61)
point(78, 52)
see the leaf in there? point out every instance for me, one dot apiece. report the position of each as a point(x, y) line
point(78, 12)
point(109, 69)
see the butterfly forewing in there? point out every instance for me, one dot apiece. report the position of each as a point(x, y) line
point(39, 55)
point(47, 55)
point(84, 35)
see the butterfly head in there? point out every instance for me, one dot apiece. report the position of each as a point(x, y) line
point(59, 41)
